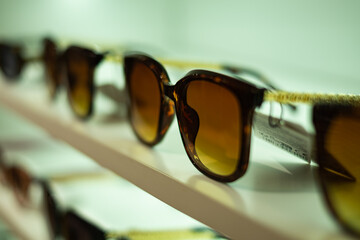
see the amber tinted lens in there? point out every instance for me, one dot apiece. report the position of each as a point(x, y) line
point(77, 228)
point(343, 189)
point(51, 67)
point(10, 61)
point(80, 77)
point(145, 101)
point(218, 140)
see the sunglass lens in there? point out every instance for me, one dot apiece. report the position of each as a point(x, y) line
point(80, 73)
point(211, 116)
point(145, 98)
point(10, 61)
point(341, 182)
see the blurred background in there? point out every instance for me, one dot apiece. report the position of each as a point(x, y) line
point(298, 43)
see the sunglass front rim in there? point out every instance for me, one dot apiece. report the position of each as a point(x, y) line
point(247, 95)
point(243, 91)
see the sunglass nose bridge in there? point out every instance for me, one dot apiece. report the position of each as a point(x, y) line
point(169, 91)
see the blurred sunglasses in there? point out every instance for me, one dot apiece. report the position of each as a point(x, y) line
point(12, 60)
point(71, 226)
point(338, 155)
point(16, 178)
point(73, 68)
point(76, 65)
point(20, 180)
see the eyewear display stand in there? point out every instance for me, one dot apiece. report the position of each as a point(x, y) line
point(277, 199)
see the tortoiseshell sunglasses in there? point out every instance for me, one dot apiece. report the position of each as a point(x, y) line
point(215, 115)
point(75, 66)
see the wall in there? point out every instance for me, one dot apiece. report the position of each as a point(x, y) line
point(296, 42)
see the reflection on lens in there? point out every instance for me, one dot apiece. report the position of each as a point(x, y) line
point(218, 141)
point(80, 76)
point(342, 143)
point(145, 102)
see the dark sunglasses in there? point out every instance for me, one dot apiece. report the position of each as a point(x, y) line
point(20, 180)
point(12, 60)
point(215, 114)
point(16, 178)
point(72, 226)
point(72, 68)
point(75, 68)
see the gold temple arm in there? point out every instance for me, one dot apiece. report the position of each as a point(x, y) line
point(34, 59)
point(189, 64)
point(311, 98)
point(190, 234)
point(116, 58)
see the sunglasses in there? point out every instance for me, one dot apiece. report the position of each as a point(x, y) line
point(16, 178)
point(21, 181)
point(12, 60)
point(75, 69)
point(215, 114)
point(72, 226)
point(337, 131)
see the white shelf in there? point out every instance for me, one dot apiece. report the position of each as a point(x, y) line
point(277, 199)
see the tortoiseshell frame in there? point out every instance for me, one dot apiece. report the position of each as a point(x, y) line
point(323, 115)
point(249, 97)
point(93, 59)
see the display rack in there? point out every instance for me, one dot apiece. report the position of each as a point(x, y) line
point(278, 198)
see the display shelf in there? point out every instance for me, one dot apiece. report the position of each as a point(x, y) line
point(277, 199)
